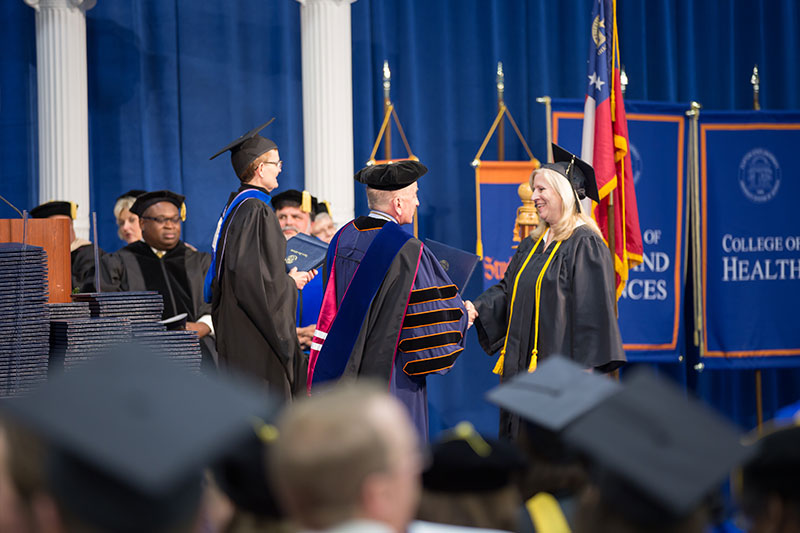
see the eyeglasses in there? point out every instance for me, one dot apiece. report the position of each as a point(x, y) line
point(278, 164)
point(163, 220)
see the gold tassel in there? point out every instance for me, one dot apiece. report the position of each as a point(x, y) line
point(305, 206)
point(183, 212)
point(534, 358)
point(498, 367)
point(73, 210)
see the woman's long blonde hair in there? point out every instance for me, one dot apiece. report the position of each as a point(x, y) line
point(570, 216)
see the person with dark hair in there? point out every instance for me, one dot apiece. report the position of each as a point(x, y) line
point(81, 250)
point(657, 459)
point(558, 294)
point(472, 481)
point(253, 298)
point(389, 311)
point(769, 484)
point(128, 436)
point(162, 262)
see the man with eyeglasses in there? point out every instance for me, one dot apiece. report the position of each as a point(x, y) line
point(162, 262)
point(253, 297)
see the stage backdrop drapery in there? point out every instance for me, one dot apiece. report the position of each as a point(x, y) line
point(171, 81)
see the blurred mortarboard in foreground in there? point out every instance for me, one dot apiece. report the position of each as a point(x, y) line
point(133, 193)
point(391, 176)
point(143, 201)
point(776, 465)
point(463, 461)
point(130, 433)
point(247, 148)
point(579, 173)
point(301, 199)
point(242, 473)
point(555, 395)
point(655, 454)
point(49, 209)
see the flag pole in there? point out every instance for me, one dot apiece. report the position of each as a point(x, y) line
point(694, 203)
point(755, 82)
point(387, 103)
point(501, 85)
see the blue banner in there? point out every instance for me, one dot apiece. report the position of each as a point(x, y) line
point(749, 186)
point(651, 305)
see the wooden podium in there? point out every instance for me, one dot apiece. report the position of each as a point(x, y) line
point(52, 234)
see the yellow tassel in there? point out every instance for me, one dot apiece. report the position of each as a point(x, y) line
point(73, 210)
point(305, 206)
point(534, 358)
point(498, 368)
point(183, 212)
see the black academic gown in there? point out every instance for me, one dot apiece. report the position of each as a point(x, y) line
point(178, 277)
point(254, 300)
point(82, 264)
point(576, 318)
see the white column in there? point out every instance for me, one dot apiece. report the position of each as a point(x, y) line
point(328, 103)
point(63, 104)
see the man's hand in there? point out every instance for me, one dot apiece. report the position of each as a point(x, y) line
point(301, 278)
point(472, 313)
point(201, 329)
point(304, 335)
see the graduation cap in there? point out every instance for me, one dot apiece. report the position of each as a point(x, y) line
point(133, 193)
point(776, 465)
point(145, 200)
point(391, 176)
point(49, 209)
point(242, 473)
point(579, 173)
point(656, 455)
point(557, 394)
point(463, 461)
point(303, 200)
point(130, 433)
point(323, 206)
point(247, 148)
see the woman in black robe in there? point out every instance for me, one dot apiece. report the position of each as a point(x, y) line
point(558, 294)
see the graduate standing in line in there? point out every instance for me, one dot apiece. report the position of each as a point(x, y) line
point(253, 298)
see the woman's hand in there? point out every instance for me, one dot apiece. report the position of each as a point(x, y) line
point(472, 313)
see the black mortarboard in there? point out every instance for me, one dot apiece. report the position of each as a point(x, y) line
point(555, 395)
point(463, 461)
point(133, 193)
point(130, 434)
point(776, 465)
point(247, 148)
point(391, 176)
point(243, 476)
point(301, 199)
point(655, 454)
point(49, 209)
point(323, 207)
point(579, 173)
point(147, 199)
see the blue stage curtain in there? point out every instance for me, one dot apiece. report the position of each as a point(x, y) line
point(172, 81)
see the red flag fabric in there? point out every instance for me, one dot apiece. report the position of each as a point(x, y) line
point(606, 145)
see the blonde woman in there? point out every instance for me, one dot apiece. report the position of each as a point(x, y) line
point(557, 296)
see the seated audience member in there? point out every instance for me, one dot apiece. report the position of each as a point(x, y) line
point(657, 460)
point(129, 435)
point(554, 478)
point(242, 475)
point(348, 459)
point(162, 262)
point(471, 481)
point(295, 211)
point(769, 484)
point(323, 227)
point(81, 250)
point(128, 227)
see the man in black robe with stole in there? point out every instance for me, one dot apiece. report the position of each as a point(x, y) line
point(253, 298)
point(162, 262)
